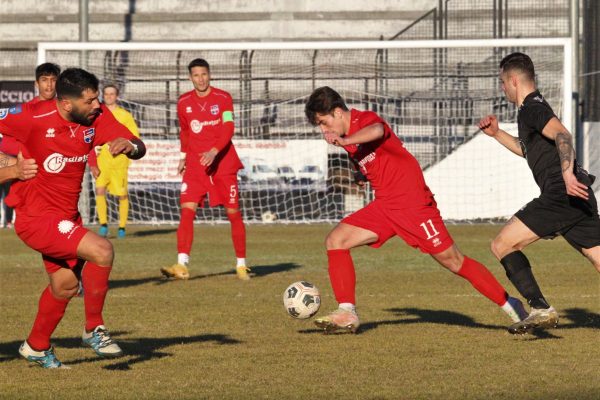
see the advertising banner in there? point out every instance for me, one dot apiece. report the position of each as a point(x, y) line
point(15, 92)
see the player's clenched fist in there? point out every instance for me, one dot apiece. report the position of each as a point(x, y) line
point(334, 139)
point(120, 146)
point(489, 125)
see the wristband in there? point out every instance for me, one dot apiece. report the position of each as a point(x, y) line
point(135, 148)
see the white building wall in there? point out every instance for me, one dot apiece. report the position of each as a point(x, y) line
point(482, 179)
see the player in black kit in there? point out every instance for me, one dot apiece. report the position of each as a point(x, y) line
point(567, 205)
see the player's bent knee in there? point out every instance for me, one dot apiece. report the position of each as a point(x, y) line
point(500, 248)
point(64, 293)
point(103, 253)
point(335, 241)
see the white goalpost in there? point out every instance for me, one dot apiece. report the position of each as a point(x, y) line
point(432, 93)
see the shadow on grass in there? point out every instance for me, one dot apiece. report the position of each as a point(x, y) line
point(258, 271)
point(580, 319)
point(136, 350)
point(152, 232)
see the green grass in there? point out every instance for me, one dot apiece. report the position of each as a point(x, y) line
point(426, 334)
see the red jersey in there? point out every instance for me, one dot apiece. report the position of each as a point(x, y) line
point(207, 122)
point(393, 172)
point(60, 148)
point(35, 100)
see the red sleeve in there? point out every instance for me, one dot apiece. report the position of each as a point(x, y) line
point(9, 145)
point(369, 118)
point(184, 128)
point(93, 158)
point(227, 128)
point(16, 122)
point(107, 128)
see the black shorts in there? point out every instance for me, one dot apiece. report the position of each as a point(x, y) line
point(575, 219)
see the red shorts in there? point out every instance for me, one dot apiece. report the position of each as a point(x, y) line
point(221, 190)
point(57, 238)
point(420, 227)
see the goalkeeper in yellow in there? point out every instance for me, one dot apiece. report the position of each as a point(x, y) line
point(111, 172)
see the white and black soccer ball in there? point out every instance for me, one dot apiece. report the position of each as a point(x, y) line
point(301, 300)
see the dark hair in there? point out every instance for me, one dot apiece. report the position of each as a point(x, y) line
point(198, 62)
point(72, 82)
point(111, 85)
point(323, 101)
point(47, 69)
point(518, 62)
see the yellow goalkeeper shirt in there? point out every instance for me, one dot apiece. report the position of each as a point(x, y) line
point(105, 159)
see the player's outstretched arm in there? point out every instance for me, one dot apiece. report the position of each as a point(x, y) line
point(489, 126)
point(365, 135)
point(556, 131)
point(133, 149)
point(16, 168)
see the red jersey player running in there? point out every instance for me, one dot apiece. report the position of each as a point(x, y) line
point(403, 206)
point(209, 164)
point(59, 135)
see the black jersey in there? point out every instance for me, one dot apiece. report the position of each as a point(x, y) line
point(540, 152)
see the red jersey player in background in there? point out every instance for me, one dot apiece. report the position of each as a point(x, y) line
point(59, 135)
point(45, 82)
point(209, 164)
point(46, 75)
point(403, 206)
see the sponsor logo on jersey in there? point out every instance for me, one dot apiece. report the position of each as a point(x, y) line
point(50, 132)
point(214, 109)
point(188, 109)
point(15, 110)
point(88, 135)
point(196, 126)
point(367, 159)
point(12, 110)
point(539, 98)
point(65, 226)
point(55, 162)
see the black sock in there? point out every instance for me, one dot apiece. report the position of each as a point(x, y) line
point(518, 270)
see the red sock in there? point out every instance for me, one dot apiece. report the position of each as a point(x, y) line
point(50, 312)
point(238, 234)
point(185, 232)
point(342, 275)
point(483, 280)
point(95, 285)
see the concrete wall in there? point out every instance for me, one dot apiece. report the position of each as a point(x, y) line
point(182, 6)
point(230, 20)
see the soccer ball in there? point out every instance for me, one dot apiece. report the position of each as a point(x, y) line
point(301, 300)
point(268, 217)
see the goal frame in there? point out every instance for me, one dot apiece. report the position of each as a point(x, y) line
point(564, 43)
point(567, 117)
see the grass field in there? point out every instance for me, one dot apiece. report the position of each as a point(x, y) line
point(426, 334)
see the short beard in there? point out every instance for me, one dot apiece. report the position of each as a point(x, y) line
point(81, 119)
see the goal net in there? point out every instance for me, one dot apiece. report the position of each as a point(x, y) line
point(432, 93)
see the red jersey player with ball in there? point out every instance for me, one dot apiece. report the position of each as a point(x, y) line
point(403, 206)
point(209, 164)
point(58, 135)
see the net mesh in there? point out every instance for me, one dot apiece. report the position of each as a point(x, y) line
point(432, 99)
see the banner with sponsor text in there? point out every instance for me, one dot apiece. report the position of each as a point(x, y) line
point(275, 163)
